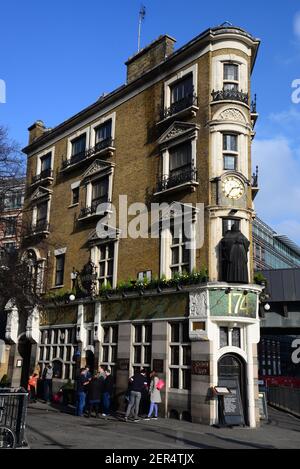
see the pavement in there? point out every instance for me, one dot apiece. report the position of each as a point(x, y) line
point(49, 427)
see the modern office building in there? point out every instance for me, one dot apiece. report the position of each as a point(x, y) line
point(271, 250)
point(178, 133)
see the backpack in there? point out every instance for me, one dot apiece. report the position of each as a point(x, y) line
point(160, 384)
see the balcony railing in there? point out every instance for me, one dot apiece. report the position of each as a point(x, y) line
point(230, 95)
point(92, 209)
point(178, 106)
point(254, 179)
point(41, 226)
point(46, 173)
point(185, 176)
point(106, 144)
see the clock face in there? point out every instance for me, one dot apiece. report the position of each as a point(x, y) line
point(233, 187)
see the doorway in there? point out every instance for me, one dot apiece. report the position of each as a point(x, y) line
point(24, 349)
point(232, 372)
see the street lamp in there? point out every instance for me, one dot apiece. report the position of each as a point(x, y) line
point(267, 307)
point(72, 297)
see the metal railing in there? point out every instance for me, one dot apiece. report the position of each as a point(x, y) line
point(167, 182)
point(46, 173)
point(181, 105)
point(39, 227)
point(83, 155)
point(92, 209)
point(13, 411)
point(230, 95)
point(285, 398)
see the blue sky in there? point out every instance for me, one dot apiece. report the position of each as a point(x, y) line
point(60, 56)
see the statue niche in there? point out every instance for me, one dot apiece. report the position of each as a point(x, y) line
point(234, 256)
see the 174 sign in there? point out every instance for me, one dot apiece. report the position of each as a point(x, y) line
point(235, 303)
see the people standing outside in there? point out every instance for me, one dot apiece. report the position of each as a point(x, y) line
point(155, 397)
point(82, 383)
point(94, 393)
point(32, 386)
point(107, 392)
point(47, 383)
point(138, 382)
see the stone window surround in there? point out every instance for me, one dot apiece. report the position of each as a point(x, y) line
point(46, 198)
point(110, 345)
point(217, 82)
point(40, 156)
point(232, 153)
point(165, 250)
point(74, 186)
point(141, 344)
point(95, 256)
point(192, 138)
point(230, 327)
point(180, 367)
point(91, 133)
point(178, 76)
point(109, 171)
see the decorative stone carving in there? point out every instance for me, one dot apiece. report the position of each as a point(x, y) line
point(39, 193)
point(33, 325)
point(12, 323)
point(96, 167)
point(198, 305)
point(177, 129)
point(233, 115)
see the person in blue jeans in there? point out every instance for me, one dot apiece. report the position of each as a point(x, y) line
point(82, 383)
point(107, 392)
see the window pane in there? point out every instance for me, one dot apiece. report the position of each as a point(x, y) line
point(175, 255)
point(186, 379)
point(186, 355)
point(148, 333)
point(229, 162)
point(185, 332)
point(102, 269)
point(175, 355)
point(46, 162)
point(180, 156)
point(223, 337)
point(175, 332)
point(100, 190)
point(103, 131)
point(54, 352)
point(115, 334)
point(105, 350)
point(67, 371)
point(47, 353)
point(137, 354)
point(68, 354)
point(114, 351)
point(41, 353)
point(231, 72)
point(230, 87)
point(229, 142)
point(236, 337)
point(138, 333)
point(110, 248)
point(185, 255)
point(174, 378)
point(110, 268)
point(61, 352)
point(182, 88)
point(228, 222)
point(55, 338)
point(147, 356)
point(106, 334)
point(42, 212)
point(78, 144)
point(75, 195)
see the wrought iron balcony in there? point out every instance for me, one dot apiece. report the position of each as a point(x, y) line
point(86, 212)
point(230, 95)
point(185, 103)
point(41, 226)
point(185, 176)
point(103, 146)
point(46, 173)
point(254, 181)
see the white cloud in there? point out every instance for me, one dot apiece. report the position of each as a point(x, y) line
point(297, 24)
point(278, 201)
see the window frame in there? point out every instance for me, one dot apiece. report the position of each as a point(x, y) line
point(229, 152)
point(181, 344)
point(142, 344)
point(228, 81)
point(61, 271)
point(110, 345)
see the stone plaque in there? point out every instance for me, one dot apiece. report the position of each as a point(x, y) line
point(233, 304)
point(200, 368)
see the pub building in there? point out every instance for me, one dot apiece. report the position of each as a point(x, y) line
point(179, 131)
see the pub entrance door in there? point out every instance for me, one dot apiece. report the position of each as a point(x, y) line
point(232, 374)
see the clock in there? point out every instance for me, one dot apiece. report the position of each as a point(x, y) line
point(232, 187)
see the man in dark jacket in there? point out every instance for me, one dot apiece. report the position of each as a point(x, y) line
point(138, 383)
point(94, 393)
point(82, 383)
point(47, 382)
point(107, 391)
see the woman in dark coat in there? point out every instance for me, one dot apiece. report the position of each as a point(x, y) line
point(94, 394)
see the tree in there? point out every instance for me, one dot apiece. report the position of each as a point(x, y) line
point(12, 160)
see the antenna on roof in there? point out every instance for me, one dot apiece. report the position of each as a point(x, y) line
point(142, 14)
point(226, 23)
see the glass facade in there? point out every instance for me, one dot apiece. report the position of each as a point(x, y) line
point(271, 251)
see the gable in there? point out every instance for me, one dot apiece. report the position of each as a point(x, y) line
point(177, 129)
point(39, 193)
point(96, 167)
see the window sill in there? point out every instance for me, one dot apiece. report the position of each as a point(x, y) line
point(56, 286)
point(191, 184)
point(73, 205)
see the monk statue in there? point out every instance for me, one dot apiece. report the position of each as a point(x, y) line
point(234, 249)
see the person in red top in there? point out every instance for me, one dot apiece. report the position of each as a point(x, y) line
point(32, 386)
